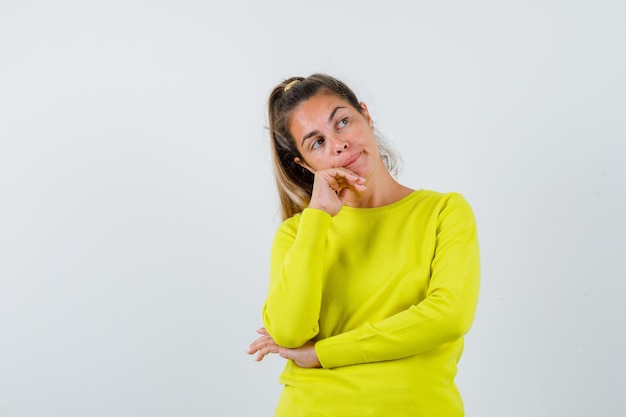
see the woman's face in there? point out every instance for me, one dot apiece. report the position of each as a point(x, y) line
point(329, 133)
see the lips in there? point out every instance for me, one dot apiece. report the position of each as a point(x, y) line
point(352, 160)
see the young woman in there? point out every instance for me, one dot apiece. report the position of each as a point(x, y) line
point(372, 284)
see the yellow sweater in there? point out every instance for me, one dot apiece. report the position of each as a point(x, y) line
point(388, 294)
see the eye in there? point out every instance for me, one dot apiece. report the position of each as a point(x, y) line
point(342, 123)
point(317, 143)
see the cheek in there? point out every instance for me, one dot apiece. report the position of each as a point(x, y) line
point(317, 163)
point(373, 141)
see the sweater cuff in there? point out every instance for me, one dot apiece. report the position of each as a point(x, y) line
point(311, 235)
point(341, 350)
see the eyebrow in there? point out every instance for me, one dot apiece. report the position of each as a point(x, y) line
point(315, 132)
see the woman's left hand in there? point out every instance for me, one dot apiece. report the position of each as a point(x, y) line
point(304, 356)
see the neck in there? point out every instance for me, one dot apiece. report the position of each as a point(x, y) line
point(382, 190)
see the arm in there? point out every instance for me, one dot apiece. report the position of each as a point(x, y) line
point(443, 316)
point(292, 308)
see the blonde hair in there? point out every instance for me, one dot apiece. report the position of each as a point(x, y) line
point(294, 182)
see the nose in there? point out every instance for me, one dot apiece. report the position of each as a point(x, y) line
point(340, 146)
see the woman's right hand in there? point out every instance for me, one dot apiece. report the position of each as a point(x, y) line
point(333, 187)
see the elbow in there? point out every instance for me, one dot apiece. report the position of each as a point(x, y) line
point(457, 314)
point(291, 340)
point(459, 324)
point(289, 333)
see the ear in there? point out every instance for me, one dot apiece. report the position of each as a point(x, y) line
point(365, 112)
point(303, 164)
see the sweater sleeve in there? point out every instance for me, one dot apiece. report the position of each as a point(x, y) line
point(292, 308)
point(445, 314)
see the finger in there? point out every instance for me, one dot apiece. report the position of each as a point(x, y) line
point(341, 180)
point(348, 175)
point(351, 187)
point(285, 353)
point(261, 355)
point(266, 351)
point(343, 185)
point(346, 182)
point(260, 343)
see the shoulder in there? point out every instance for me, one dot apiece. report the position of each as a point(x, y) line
point(309, 217)
point(437, 199)
point(289, 226)
point(440, 207)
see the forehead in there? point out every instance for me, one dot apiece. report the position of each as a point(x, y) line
point(315, 111)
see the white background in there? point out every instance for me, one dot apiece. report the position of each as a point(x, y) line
point(137, 205)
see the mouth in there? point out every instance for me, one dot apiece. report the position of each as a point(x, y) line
point(352, 160)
